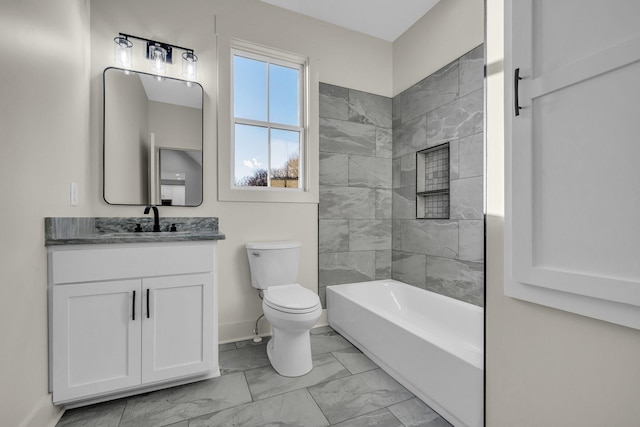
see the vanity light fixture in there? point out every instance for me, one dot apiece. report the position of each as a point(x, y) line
point(189, 65)
point(159, 55)
point(122, 52)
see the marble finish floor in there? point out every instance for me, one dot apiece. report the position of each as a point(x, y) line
point(344, 388)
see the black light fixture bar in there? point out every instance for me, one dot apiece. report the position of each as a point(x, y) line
point(152, 44)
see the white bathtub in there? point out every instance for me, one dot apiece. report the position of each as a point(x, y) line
point(431, 344)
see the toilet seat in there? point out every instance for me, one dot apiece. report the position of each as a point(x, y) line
point(291, 299)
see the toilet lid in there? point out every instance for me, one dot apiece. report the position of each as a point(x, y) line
point(291, 298)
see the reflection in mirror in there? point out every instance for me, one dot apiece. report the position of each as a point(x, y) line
point(152, 139)
point(180, 177)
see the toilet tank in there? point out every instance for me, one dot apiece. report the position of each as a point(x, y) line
point(273, 263)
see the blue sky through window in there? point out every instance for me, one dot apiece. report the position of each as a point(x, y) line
point(250, 102)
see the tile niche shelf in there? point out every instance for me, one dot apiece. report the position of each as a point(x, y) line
point(432, 182)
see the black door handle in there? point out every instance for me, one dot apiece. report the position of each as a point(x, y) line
point(516, 84)
point(133, 315)
point(148, 314)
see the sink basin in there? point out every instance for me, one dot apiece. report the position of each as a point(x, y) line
point(125, 234)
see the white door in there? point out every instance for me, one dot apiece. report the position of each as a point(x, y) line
point(178, 326)
point(96, 338)
point(573, 158)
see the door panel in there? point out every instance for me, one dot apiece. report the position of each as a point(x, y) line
point(96, 340)
point(573, 200)
point(178, 335)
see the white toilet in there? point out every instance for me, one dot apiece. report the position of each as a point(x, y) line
point(291, 309)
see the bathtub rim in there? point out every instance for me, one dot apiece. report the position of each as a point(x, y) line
point(470, 353)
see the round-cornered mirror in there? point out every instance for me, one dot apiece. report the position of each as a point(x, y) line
point(152, 139)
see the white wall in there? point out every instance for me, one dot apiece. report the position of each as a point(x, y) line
point(338, 56)
point(446, 32)
point(44, 144)
point(545, 367)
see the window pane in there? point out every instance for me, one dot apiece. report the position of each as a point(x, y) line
point(251, 155)
point(249, 88)
point(284, 95)
point(285, 157)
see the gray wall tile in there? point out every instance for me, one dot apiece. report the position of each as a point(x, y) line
point(337, 136)
point(472, 71)
point(445, 107)
point(428, 237)
point(410, 136)
point(471, 151)
point(367, 235)
point(404, 171)
point(404, 202)
point(467, 198)
point(334, 169)
point(334, 102)
point(458, 119)
point(333, 235)
point(462, 280)
point(409, 268)
point(438, 89)
point(346, 267)
point(384, 147)
point(369, 108)
point(396, 107)
point(383, 265)
point(471, 240)
point(347, 203)
point(370, 172)
point(383, 203)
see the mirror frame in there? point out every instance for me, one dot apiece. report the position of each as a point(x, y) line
point(104, 142)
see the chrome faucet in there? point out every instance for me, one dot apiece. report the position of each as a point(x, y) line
point(156, 217)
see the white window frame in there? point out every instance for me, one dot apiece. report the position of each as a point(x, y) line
point(226, 191)
point(300, 65)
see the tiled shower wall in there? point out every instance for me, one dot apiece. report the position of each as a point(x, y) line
point(444, 256)
point(355, 187)
point(367, 214)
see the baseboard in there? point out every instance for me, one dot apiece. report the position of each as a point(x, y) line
point(44, 414)
point(238, 331)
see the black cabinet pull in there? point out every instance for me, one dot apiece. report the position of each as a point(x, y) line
point(148, 314)
point(516, 84)
point(133, 315)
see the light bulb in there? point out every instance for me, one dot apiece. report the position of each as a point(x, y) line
point(122, 52)
point(189, 66)
point(158, 60)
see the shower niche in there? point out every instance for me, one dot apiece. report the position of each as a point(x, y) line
point(432, 182)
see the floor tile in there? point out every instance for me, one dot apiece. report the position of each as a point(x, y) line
point(251, 343)
point(106, 414)
point(354, 360)
point(328, 341)
point(226, 347)
point(356, 395)
point(266, 382)
point(295, 408)
point(381, 418)
point(184, 423)
point(164, 407)
point(415, 413)
point(243, 358)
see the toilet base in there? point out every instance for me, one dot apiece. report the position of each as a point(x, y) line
point(290, 352)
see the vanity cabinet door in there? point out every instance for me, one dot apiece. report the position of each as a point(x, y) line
point(178, 326)
point(96, 338)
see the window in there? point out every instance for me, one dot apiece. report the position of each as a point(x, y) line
point(268, 121)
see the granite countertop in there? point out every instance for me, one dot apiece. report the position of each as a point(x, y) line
point(104, 230)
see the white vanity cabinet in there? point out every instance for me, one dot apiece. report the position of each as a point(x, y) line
point(128, 318)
